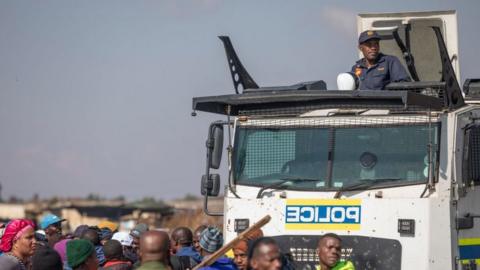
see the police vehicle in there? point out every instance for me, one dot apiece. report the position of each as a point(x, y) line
point(394, 173)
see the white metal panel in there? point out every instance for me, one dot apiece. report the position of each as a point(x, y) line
point(429, 248)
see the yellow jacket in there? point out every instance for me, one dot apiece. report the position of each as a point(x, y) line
point(342, 265)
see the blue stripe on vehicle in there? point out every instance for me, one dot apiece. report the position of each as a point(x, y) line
point(469, 252)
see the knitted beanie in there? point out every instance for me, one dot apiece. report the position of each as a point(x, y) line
point(211, 239)
point(78, 252)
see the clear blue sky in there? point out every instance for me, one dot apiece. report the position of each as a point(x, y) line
point(95, 96)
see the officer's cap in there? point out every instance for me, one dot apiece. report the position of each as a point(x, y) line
point(368, 35)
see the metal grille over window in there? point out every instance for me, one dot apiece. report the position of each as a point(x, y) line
point(300, 109)
point(335, 152)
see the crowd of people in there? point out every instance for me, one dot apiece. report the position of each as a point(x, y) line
point(24, 246)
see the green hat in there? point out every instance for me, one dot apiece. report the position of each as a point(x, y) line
point(78, 251)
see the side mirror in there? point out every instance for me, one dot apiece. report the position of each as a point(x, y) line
point(210, 186)
point(215, 145)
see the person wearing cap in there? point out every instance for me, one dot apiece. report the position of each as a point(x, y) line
point(115, 260)
point(52, 225)
point(211, 240)
point(375, 70)
point(105, 235)
point(17, 244)
point(112, 226)
point(126, 240)
point(81, 255)
point(41, 238)
point(136, 233)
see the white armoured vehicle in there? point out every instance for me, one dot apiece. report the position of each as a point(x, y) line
point(394, 172)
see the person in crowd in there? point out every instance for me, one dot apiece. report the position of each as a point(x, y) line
point(2, 228)
point(183, 254)
point(136, 233)
point(240, 254)
point(41, 238)
point(211, 240)
point(61, 248)
point(182, 244)
point(17, 244)
point(154, 250)
point(240, 249)
point(196, 236)
point(92, 235)
point(126, 240)
point(105, 234)
point(112, 226)
point(375, 70)
point(107, 229)
point(115, 260)
point(81, 255)
point(329, 253)
point(46, 258)
point(264, 254)
point(52, 225)
point(79, 231)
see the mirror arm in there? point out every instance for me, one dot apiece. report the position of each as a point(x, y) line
point(207, 211)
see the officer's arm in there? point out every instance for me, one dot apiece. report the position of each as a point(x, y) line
point(355, 77)
point(352, 70)
point(397, 72)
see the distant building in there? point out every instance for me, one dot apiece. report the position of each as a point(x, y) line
point(12, 211)
point(91, 212)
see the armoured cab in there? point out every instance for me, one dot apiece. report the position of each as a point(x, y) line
point(411, 37)
point(393, 172)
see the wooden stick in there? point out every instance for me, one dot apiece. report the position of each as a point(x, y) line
point(232, 243)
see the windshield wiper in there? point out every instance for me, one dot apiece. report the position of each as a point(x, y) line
point(284, 180)
point(363, 184)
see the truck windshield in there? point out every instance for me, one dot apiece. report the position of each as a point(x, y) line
point(329, 158)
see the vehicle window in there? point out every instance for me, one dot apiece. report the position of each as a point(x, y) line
point(396, 154)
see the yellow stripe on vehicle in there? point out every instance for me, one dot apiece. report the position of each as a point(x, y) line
point(468, 241)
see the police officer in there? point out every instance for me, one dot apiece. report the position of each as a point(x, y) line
point(375, 70)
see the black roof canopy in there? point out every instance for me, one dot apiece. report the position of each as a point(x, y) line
point(273, 102)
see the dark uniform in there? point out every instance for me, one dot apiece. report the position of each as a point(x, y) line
point(387, 69)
